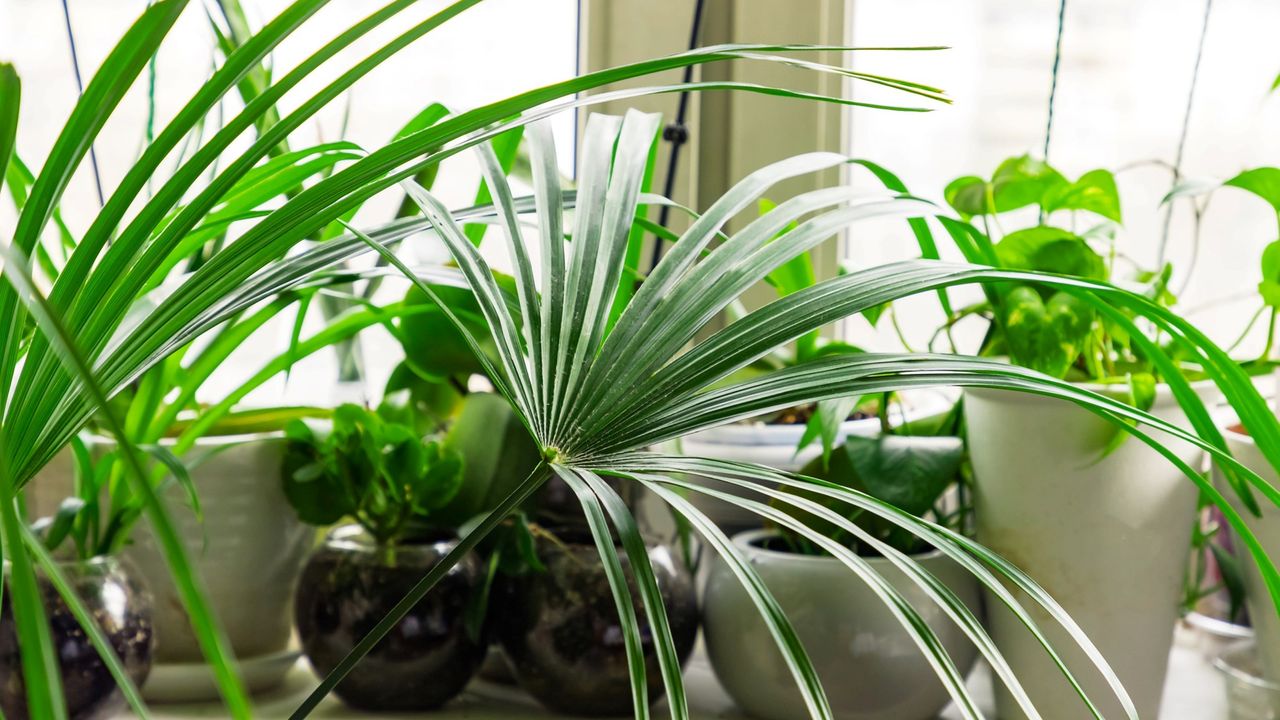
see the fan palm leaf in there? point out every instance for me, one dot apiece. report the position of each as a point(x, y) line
point(113, 312)
point(594, 398)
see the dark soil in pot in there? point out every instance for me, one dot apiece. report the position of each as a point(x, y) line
point(122, 607)
point(561, 632)
point(350, 583)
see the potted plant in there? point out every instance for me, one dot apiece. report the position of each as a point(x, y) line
point(100, 611)
point(557, 621)
point(594, 387)
point(386, 481)
point(1056, 490)
point(1264, 520)
point(606, 385)
point(865, 659)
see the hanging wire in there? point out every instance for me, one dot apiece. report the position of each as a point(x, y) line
point(1182, 136)
point(75, 65)
point(677, 134)
point(1053, 79)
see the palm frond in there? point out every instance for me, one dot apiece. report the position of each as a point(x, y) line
point(601, 396)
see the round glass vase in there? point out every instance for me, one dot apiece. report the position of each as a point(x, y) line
point(351, 582)
point(121, 605)
point(560, 629)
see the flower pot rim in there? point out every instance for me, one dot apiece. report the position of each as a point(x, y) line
point(1223, 664)
point(204, 441)
point(1163, 394)
point(353, 536)
point(108, 561)
point(750, 430)
point(746, 539)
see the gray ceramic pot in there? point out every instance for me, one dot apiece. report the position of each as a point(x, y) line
point(869, 667)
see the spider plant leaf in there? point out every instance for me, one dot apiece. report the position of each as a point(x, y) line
point(345, 326)
point(41, 675)
point(655, 610)
point(212, 641)
point(97, 638)
point(10, 101)
point(775, 620)
point(95, 105)
point(527, 487)
point(617, 584)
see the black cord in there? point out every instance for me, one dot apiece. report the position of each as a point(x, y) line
point(75, 65)
point(677, 134)
point(1053, 82)
point(1182, 136)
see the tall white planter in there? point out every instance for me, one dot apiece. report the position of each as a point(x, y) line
point(1262, 610)
point(1107, 537)
point(249, 549)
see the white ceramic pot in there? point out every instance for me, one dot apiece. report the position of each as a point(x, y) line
point(1262, 609)
point(1107, 537)
point(869, 667)
point(775, 446)
point(249, 549)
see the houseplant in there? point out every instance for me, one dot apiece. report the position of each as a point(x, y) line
point(243, 271)
point(386, 481)
point(1264, 183)
point(556, 620)
point(1094, 512)
point(590, 413)
point(83, 352)
point(867, 660)
point(104, 636)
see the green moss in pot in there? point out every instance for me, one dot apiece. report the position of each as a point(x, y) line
point(387, 479)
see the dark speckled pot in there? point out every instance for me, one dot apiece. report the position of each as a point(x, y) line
point(122, 607)
point(560, 628)
point(350, 583)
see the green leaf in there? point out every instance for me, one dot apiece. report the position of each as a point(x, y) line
point(55, 529)
point(825, 424)
point(498, 453)
point(908, 472)
point(1269, 286)
point(433, 347)
point(1045, 336)
point(1263, 182)
point(10, 100)
point(968, 195)
point(1017, 182)
point(1050, 249)
point(1094, 192)
point(1024, 180)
